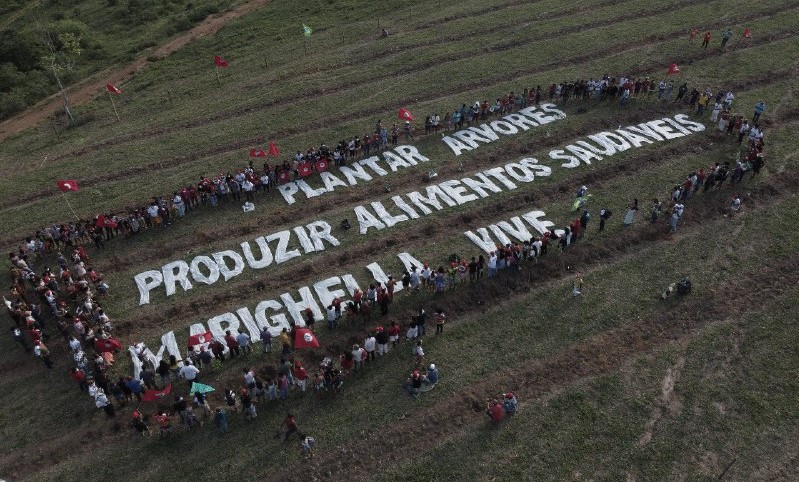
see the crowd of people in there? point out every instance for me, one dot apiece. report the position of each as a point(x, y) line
point(65, 302)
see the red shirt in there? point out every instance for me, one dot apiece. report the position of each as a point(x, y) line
point(496, 412)
point(231, 341)
point(300, 373)
point(393, 330)
point(78, 376)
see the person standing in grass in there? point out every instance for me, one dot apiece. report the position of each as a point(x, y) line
point(221, 418)
point(630, 216)
point(288, 427)
point(725, 37)
point(440, 319)
point(706, 39)
point(266, 339)
point(577, 285)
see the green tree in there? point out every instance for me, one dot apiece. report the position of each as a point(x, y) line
point(63, 49)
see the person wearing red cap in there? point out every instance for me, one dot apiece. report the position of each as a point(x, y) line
point(510, 404)
point(300, 375)
point(381, 338)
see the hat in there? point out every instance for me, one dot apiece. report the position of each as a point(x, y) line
point(509, 395)
point(432, 366)
point(297, 364)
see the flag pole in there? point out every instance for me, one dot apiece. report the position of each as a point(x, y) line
point(70, 206)
point(114, 105)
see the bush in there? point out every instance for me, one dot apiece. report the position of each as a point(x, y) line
point(10, 104)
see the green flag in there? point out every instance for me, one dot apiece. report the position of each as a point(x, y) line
point(306, 30)
point(200, 388)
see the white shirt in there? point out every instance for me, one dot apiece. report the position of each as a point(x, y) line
point(425, 273)
point(419, 351)
point(189, 372)
point(492, 261)
point(74, 344)
point(369, 344)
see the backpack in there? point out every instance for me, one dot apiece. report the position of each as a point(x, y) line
point(684, 286)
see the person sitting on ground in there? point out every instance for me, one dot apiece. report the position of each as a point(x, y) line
point(495, 411)
point(510, 404)
point(432, 375)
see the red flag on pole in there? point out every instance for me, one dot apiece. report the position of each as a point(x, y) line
point(674, 69)
point(321, 165)
point(220, 62)
point(405, 114)
point(747, 33)
point(305, 169)
point(68, 185)
point(273, 150)
point(113, 89)
point(200, 339)
point(107, 345)
point(304, 338)
point(153, 395)
point(257, 152)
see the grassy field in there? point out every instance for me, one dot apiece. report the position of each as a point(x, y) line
point(614, 385)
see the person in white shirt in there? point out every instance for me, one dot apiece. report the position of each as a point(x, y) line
point(369, 345)
point(357, 356)
point(244, 342)
point(425, 275)
point(492, 264)
point(189, 372)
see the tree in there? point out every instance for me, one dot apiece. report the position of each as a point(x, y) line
point(63, 48)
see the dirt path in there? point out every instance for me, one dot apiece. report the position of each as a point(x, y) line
point(84, 91)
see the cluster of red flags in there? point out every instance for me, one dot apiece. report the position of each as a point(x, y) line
point(747, 33)
point(273, 151)
point(673, 69)
point(113, 89)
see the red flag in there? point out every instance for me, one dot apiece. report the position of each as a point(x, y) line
point(273, 150)
point(305, 169)
point(304, 338)
point(107, 345)
point(200, 339)
point(112, 89)
point(321, 165)
point(673, 69)
point(405, 114)
point(257, 153)
point(153, 395)
point(747, 33)
point(220, 62)
point(283, 177)
point(68, 185)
